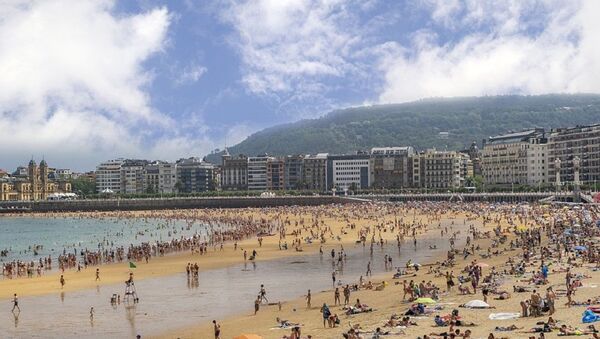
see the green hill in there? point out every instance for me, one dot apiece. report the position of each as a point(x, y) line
point(420, 123)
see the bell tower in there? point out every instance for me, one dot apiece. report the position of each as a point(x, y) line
point(43, 179)
point(32, 171)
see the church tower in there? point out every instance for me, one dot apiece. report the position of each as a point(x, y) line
point(43, 179)
point(32, 171)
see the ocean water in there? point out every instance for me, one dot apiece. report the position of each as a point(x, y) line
point(19, 235)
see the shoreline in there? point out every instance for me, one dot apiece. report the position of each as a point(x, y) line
point(169, 264)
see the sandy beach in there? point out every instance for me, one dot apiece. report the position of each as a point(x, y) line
point(389, 301)
point(495, 236)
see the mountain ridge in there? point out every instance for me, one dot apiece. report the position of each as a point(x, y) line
point(419, 123)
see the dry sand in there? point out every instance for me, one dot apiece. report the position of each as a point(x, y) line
point(385, 302)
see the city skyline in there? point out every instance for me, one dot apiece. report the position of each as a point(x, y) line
point(163, 80)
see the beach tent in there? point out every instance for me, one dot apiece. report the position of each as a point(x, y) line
point(477, 304)
point(589, 317)
point(425, 301)
point(248, 336)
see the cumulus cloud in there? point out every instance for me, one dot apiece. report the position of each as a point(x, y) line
point(72, 79)
point(523, 47)
point(291, 49)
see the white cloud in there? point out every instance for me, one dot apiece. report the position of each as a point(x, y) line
point(522, 47)
point(190, 74)
point(72, 82)
point(289, 46)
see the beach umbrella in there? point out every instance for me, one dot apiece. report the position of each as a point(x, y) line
point(248, 336)
point(425, 301)
point(477, 304)
point(482, 264)
point(580, 248)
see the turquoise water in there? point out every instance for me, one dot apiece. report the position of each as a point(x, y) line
point(19, 235)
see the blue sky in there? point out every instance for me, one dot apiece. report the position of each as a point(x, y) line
point(88, 81)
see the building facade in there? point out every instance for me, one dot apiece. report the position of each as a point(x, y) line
point(132, 176)
point(293, 167)
point(108, 176)
point(537, 161)
point(391, 167)
point(37, 185)
point(565, 144)
point(257, 173)
point(234, 172)
point(194, 176)
point(504, 158)
point(348, 172)
point(276, 174)
point(167, 177)
point(443, 169)
point(151, 178)
point(314, 172)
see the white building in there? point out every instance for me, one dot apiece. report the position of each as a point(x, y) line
point(537, 162)
point(257, 173)
point(505, 159)
point(443, 169)
point(345, 172)
point(167, 177)
point(108, 176)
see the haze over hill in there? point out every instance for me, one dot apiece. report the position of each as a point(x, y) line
point(422, 124)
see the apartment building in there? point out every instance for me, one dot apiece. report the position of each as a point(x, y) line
point(504, 158)
point(566, 144)
point(234, 172)
point(391, 167)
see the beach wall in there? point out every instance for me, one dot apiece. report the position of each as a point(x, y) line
point(171, 203)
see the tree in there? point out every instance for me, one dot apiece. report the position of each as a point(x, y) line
point(83, 186)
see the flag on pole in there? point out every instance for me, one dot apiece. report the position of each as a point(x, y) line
point(132, 265)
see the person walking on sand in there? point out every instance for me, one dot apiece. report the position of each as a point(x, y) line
point(326, 313)
point(16, 303)
point(97, 274)
point(308, 298)
point(217, 329)
point(346, 295)
point(336, 296)
point(550, 299)
point(368, 269)
point(62, 281)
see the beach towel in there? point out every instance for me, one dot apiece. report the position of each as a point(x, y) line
point(476, 304)
point(504, 316)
